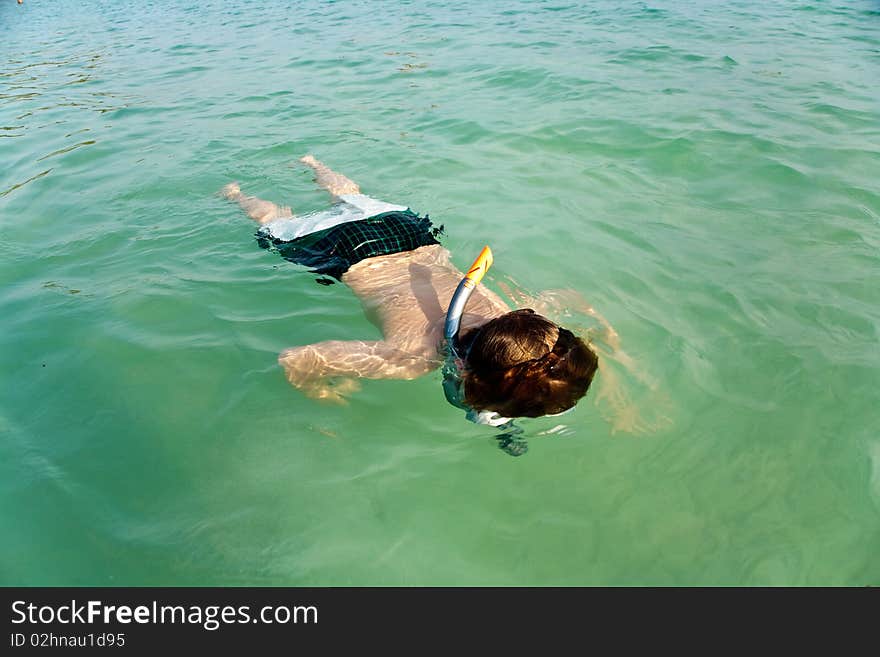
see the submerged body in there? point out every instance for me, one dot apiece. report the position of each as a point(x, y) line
point(514, 362)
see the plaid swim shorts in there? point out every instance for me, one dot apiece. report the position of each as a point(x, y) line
point(333, 250)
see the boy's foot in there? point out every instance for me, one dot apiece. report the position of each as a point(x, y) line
point(231, 191)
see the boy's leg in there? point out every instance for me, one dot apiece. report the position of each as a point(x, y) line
point(257, 209)
point(333, 182)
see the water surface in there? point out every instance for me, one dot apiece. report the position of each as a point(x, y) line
point(705, 174)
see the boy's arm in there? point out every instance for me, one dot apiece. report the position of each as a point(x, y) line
point(313, 368)
point(551, 303)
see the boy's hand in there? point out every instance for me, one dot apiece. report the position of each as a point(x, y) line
point(303, 371)
point(333, 391)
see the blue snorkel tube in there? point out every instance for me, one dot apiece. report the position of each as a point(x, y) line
point(451, 374)
point(462, 293)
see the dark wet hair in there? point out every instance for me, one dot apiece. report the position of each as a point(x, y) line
point(523, 365)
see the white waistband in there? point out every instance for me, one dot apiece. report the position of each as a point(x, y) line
point(352, 207)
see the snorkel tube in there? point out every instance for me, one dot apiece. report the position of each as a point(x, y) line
point(451, 368)
point(462, 293)
point(451, 372)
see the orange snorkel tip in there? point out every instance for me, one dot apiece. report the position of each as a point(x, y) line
point(480, 267)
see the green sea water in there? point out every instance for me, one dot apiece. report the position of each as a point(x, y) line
point(705, 174)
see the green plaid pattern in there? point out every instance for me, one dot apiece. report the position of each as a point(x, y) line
point(334, 250)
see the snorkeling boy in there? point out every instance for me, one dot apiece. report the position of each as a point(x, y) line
point(499, 364)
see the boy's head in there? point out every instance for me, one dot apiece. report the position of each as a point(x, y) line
point(523, 365)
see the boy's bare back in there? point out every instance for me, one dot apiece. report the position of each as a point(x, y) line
point(407, 294)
